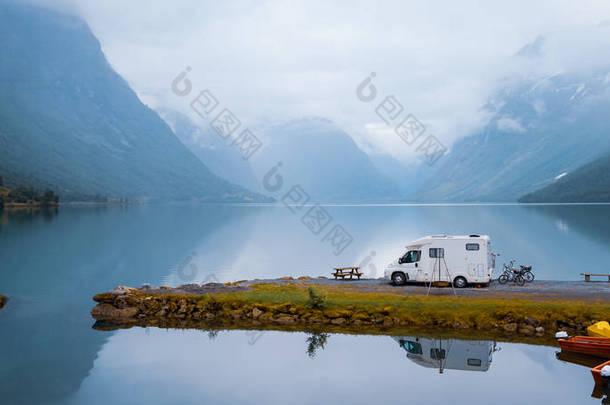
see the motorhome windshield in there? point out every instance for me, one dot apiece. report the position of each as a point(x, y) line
point(411, 256)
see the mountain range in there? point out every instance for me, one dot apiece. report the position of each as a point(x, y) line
point(314, 153)
point(538, 130)
point(590, 183)
point(69, 122)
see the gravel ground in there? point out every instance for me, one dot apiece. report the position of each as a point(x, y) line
point(536, 289)
point(542, 289)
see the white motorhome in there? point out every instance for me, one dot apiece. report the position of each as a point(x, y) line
point(462, 260)
point(448, 354)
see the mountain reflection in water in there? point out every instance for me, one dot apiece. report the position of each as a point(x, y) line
point(53, 261)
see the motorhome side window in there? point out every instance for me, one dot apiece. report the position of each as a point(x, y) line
point(411, 256)
point(436, 252)
point(472, 246)
point(474, 362)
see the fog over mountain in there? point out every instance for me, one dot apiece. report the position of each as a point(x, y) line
point(69, 122)
point(539, 131)
point(588, 184)
point(223, 159)
point(317, 155)
point(272, 61)
point(508, 88)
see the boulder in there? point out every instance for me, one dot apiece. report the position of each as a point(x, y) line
point(183, 307)
point(284, 319)
point(510, 327)
point(125, 301)
point(256, 313)
point(315, 319)
point(532, 321)
point(459, 325)
point(121, 289)
point(109, 312)
point(338, 321)
point(527, 330)
point(265, 317)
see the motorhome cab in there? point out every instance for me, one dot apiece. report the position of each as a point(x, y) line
point(462, 259)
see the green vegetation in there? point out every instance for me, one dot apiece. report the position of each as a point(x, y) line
point(590, 183)
point(316, 301)
point(350, 309)
point(69, 122)
point(26, 196)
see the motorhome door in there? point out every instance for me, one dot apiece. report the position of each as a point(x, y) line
point(476, 260)
point(409, 262)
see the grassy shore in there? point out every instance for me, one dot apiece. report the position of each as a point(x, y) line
point(24, 197)
point(31, 204)
point(299, 306)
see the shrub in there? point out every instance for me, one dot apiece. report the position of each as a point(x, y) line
point(316, 301)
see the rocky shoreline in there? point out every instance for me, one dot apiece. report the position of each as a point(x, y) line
point(228, 305)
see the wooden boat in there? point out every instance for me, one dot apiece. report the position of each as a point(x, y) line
point(593, 346)
point(597, 373)
point(599, 329)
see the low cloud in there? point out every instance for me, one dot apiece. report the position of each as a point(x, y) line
point(276, 60)
point(507, 124)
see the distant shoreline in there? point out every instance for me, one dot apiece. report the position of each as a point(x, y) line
point(40, 205)
point(30, 205)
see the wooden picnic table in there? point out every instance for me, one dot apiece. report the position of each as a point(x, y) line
point(344, 272)
point(588, 276)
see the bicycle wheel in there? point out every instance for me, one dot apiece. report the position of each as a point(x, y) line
point(519, 280)
point(528, 276)
point(503, 279)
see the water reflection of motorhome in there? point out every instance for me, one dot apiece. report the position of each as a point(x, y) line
point(448, 354)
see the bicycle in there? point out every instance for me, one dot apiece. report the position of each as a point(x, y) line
point(512, 274)
point(527, 273)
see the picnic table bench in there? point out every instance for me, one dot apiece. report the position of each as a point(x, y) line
point(588, 276)
point(344, 272)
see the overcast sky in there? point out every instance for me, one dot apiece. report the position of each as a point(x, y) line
point(277, 60)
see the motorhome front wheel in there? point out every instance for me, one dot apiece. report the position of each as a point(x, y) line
point(399, 278)
point(460, 282)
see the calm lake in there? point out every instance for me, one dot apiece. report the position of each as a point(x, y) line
point(51, 264)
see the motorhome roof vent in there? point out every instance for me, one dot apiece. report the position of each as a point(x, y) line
point(440, 236)
point(475, 236)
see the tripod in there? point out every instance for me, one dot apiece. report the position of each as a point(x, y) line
point(437, 270)
point(441, 355)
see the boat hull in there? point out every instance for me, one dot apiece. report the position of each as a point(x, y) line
point(597, 373)
point(593, 346)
